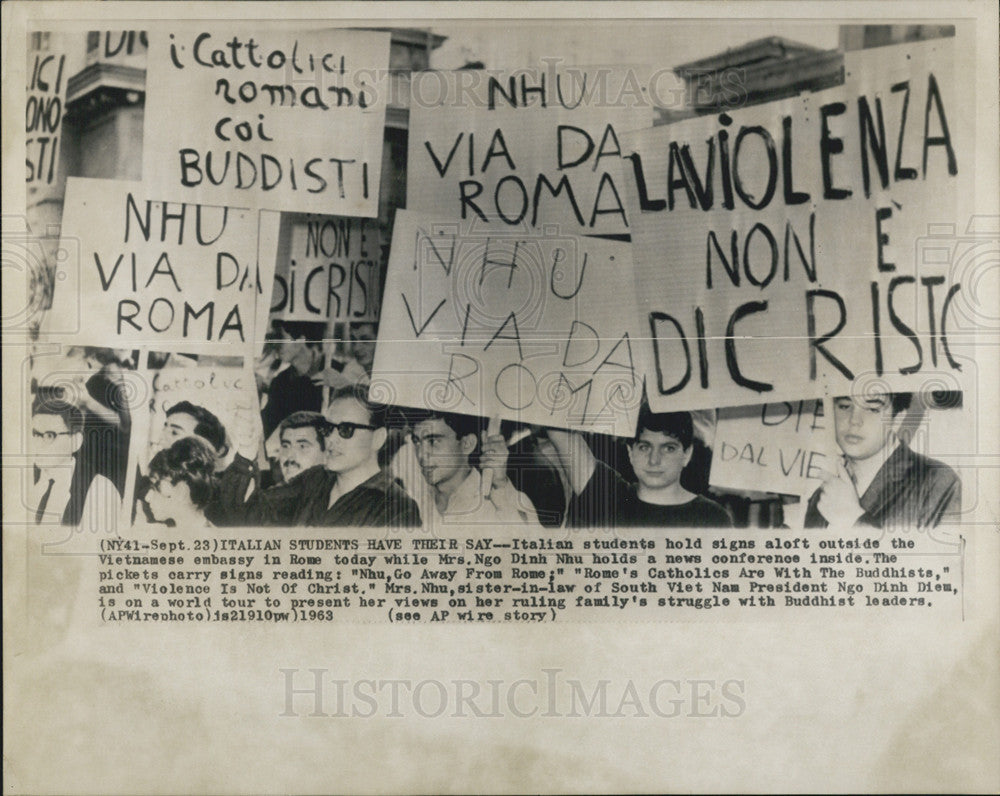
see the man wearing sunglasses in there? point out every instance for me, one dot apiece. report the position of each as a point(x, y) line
point(354, 490)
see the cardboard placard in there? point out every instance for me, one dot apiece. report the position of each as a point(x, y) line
point(781, 447)
point(330, 270)
point(783, 250)
point(277, 120)
point(534, 328)
point(43, 113)
point(528, 146)
point(151, 272)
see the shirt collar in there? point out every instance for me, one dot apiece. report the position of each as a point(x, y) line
point(468, 496)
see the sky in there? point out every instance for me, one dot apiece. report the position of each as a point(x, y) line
point(513, 44)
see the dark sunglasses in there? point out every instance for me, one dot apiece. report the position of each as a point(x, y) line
point(346, 430)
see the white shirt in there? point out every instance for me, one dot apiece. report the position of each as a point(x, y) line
point(100, 507)
point(467, 505)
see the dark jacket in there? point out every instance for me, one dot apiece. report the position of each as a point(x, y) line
point(909, 491)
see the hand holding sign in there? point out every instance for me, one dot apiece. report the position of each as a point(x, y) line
point(838, 498)
point(493, 461)
point(331, 377)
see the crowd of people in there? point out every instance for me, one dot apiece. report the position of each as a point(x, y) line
point(363, 464)
point(357, 463)
point(339, 460)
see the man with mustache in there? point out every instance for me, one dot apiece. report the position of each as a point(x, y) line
point(301, 456)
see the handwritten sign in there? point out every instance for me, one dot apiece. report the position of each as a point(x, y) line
point(151, 271)
point(43, 113)
point(530, 327)
point(532, 146)
point(779, 447)
point(329, 269)
point(120, 47)
point(277, 120)
point(774, 245)
point(229, 393)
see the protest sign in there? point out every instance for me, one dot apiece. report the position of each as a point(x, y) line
point(227, 391)
point(529, 327)
point(151, 272)
point(278, 120)
point(329, 269)
point(43, 113)
point(536, 146)
point(780, 447)
point(119, 47)
point(776, 246)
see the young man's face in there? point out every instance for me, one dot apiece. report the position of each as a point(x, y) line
point(178, 425)
point(300, 450)
point(344, 455)
point(291, 347)
point(658, 459)
point(363, 344)
point(863, 425)
point(440, 452)
point(52, 439)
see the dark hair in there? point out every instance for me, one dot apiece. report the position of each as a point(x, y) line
point(272, 343)
point(312, 332)
point(674, 424)
point(50, 402)
point(377, 413)
point(355, 325)
point(192, 461)
point(207, 426)
point(105, 356)
point(462, 425)
point(313, 420)
point(898, 401)
point(901, 402)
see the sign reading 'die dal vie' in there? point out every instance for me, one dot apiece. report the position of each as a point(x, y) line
point(531, 327)
point(271, 119)
point(778, 247)
point(781, 447)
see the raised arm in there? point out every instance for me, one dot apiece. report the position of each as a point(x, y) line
point(575, 457)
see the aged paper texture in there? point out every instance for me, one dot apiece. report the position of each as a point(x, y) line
point(417, 397)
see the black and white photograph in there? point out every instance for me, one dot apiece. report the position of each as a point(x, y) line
point(436, 398)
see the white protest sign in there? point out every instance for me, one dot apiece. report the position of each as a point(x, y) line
point(228, 392)
point(119, 47)
point(151, 272)
point(43, 113)
point(536, 146)
point(778, 248)
point(272, 119)
point(329, 269)
point(528, 327)
point(781, 447)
